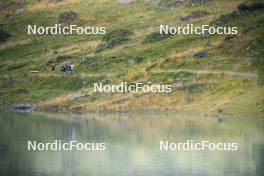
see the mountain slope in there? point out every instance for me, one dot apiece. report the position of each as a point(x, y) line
point(110, 59)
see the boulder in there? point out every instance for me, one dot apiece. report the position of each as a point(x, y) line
point(85, 83)
point(85, 95)
point(135, 59)
point(248, 60)
point(193, 15)
point(126, 1)
point(171, 4)
point(200, 54)
point(121, 101)
point(73, 98)
point(150, 1)
point(18, 11)
point(67, 16)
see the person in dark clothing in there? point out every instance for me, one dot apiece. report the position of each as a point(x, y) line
point(53, 66)
point(62, 69)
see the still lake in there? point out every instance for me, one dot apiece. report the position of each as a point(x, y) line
point(133, 144)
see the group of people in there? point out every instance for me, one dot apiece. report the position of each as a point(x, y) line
point(66, 69)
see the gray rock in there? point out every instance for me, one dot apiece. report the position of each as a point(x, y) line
point(73, 98)
point(126, 1)
point(248, 60)
point(54, 1)
point(85, 95)
point(45, 50)
point(84, 83)
point(150, 1)
point(171, 4)
point(197, 2)
point(93, 64)
point(67, 16)
point(200, 54)
point(229, 37)
point(193, 15)
point(135, 59)
point(121, 101)
point(18, 11)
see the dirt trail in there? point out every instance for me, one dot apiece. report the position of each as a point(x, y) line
point(230, 73)
point(216, 72)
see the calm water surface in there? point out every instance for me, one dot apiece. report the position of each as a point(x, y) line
point(132, 145)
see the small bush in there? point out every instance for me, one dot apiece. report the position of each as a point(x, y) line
point(92, 61)
point(15, 66)
point(225, 18)
point(67, 16)
point(116, 37)
point(259, 63)
point(251, 7)
point(155, 36)
point(4, 35)
point(101, 47)
point(242, 7)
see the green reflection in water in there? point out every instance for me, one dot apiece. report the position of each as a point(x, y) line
point(132, 144)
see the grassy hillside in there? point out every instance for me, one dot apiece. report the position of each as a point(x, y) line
point(224, 80)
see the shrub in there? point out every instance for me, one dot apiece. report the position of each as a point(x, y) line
point(251, 7)
point(155, 36)
point(92, 61)
point(67, 16)
point(259, 63)
point(4, 35)
point(116, 37)
point(16, 66)
point(101, 47)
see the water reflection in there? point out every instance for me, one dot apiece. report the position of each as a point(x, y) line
point(132, 144)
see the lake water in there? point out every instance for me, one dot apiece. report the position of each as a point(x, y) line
point(132, 142)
